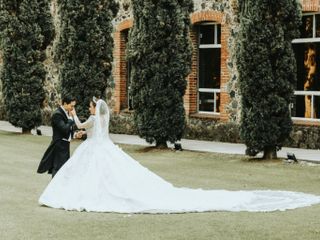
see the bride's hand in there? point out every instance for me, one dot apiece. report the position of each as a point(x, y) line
point(79, 134)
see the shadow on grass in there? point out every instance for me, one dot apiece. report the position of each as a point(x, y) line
point(154, 149)
point(262, 160)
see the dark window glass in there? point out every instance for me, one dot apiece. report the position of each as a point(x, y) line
point(129, 104)
point(209, 67)
point(307, 27)
point(316, 106)
point(206, 34)
point(129, 95)
point(206, 102)
point(297, 109)
point(302, 107)
point(219, 33)
point(318, 25)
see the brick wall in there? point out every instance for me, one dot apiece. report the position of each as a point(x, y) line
point(120, 65)
point(190, 98)
point(310, 5)
point(191, 93)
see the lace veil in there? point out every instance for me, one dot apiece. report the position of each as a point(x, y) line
point(101, 122)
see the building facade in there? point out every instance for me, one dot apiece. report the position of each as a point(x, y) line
point(206, 94)
point(211, 97)
point(212, 102)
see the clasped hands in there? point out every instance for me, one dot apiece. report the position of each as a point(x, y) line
point(78, 134)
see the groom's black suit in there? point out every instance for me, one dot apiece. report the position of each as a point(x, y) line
point(58, 151)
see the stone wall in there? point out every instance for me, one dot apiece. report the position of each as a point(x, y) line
point(52, 84)
point(304, 137)
point(307, 137)
point(2, 110)
point(234, 106)
point(125, 11)
point(51, 81)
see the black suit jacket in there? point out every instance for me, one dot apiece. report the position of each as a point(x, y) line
point(62, 127)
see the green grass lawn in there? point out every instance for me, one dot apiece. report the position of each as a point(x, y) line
point(22, 218)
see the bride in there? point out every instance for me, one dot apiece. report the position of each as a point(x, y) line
point(101, 177)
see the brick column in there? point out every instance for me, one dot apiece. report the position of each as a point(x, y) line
point(120, 70)
point(191, 93)
point(190, 97)
point(225, 75)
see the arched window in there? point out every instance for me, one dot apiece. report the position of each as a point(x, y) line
point(121, 72)
point(128, 103)
point(209, 67)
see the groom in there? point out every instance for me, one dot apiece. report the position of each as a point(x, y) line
point(63, 128)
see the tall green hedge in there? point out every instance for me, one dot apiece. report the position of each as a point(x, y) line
point(26, 30)
point(160, 51)
point(85, 47)
point(267, 72)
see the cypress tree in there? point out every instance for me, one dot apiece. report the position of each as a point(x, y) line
point(267, 72)
point(160, 51)
point(85, 46)
point(26, 30)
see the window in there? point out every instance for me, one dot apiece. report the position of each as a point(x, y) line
point(128, 104)
point(306, 105)
point(129, 95)
point(209, 55)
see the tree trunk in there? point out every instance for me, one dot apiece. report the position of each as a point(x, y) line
point(161, 145)
point(270, 153)
point(26, 131)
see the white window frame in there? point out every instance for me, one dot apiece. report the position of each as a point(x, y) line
point(308, 93)
point(312, 94)
point(208, 90)
point(128, 65)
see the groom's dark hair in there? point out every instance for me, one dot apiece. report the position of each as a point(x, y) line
point(67, 98)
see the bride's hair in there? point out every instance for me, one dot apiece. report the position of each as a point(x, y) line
point(103, 108)
point(95, 100)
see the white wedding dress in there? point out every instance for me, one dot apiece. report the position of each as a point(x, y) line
point(101, 177)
